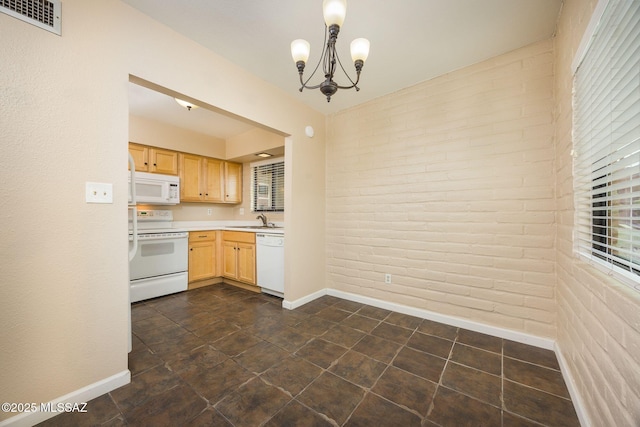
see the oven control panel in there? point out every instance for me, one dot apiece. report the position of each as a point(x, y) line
point(155, 215)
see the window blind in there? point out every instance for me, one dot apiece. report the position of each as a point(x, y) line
point(267, 187)
point(606, 137)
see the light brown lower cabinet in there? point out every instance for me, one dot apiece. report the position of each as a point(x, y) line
point(239, 256)
point(202, 255)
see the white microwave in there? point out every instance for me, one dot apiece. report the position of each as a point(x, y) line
point(155, 189)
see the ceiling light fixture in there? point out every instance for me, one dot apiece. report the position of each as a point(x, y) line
point(334, 12)
point(264, 155)
point(188, 105)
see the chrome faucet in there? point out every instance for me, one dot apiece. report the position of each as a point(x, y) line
point(264, 220)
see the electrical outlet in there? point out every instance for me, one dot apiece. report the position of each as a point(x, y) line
point(387, 278)
point(209, 212)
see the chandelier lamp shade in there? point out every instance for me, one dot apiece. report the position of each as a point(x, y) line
point(334, 12)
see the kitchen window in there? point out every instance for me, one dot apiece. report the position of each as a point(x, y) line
point(267, 186)
point(606, 138)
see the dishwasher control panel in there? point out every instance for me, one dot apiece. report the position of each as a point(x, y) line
point(270, 239)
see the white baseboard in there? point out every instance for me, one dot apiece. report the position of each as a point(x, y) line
point(495, 331)
point(520, 337)
point(290, 305)
point(84, 394)
point(578, 403)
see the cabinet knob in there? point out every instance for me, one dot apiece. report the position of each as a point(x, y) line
point(191, 249)
point(201, 194)
point(206, 194)
point(145, 163)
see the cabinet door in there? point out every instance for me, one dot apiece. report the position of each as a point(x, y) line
point(213, 179)
point(247, 263)
point(232, 182)
point(202, 264)
point(140, 155)
point(163, 161)
point(190, 178)
point(229, 262)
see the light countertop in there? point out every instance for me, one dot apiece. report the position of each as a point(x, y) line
point(247, 226)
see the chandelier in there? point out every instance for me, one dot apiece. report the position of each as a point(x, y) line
point(334, 12)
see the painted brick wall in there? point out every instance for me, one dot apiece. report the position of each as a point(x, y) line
point(598, 318)
point(449, 187)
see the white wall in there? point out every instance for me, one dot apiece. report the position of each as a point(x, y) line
point(598, 317)
point(64, 121)
point(448, 186)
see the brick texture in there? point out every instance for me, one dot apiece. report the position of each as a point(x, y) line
point(598, 318)
point(449, 187)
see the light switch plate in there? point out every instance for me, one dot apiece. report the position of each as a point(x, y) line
point(99, 192)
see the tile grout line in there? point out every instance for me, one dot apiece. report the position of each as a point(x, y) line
point(365, 389)
point(439, 383)
point(323, 371)
point(389, 366)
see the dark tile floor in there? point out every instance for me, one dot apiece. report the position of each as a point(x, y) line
point(222, 356)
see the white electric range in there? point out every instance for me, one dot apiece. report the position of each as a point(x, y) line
point(159, 266)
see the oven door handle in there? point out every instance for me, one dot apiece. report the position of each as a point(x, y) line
point(134, 248)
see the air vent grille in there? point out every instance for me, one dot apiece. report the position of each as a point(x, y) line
point(42, 13)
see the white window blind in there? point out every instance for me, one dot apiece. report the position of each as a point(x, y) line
point(606, 137)
point(267, 186)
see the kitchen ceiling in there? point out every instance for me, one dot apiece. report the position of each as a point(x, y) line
point(154, 105)
point(411, 40)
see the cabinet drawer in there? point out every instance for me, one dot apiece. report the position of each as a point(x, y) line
point(202, 236)
point(239, 236)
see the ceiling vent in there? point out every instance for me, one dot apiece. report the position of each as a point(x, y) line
point(41, 13)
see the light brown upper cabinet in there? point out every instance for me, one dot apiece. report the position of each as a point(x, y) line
point(154, 160)
point(140, 154)
point(163, 161)
point(232, 182)
point(201, 178)
point(205, 179)
point(213, 173)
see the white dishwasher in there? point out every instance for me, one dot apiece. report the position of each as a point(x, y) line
point(270, 263)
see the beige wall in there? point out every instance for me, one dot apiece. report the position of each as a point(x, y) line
point(598, 318)
point(253, 141)
point(64, 269)
point(157, 134)
point(448, 186)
